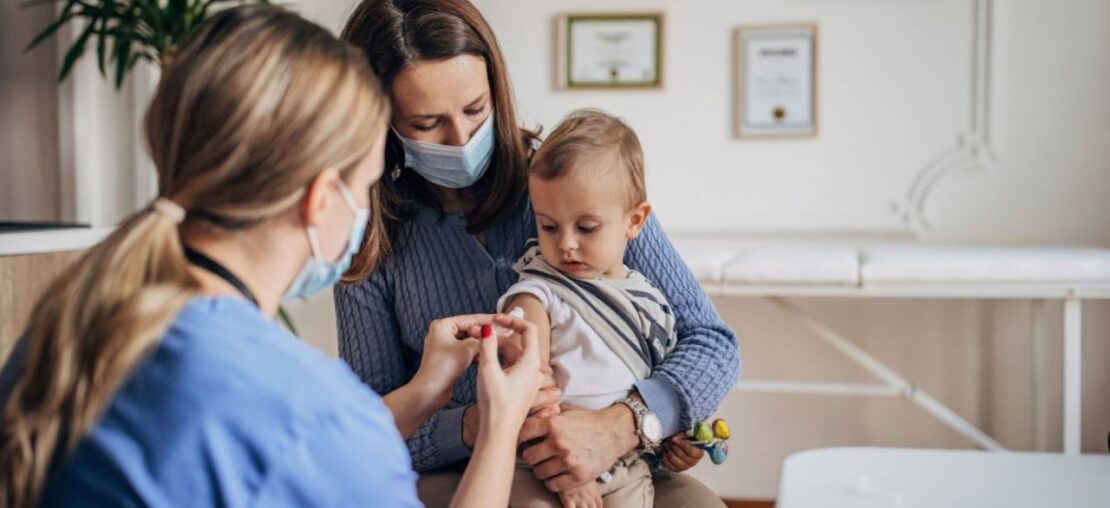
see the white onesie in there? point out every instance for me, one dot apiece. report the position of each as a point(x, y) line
point(588, 372)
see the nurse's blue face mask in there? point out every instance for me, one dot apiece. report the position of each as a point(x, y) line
point(454, 167)
point(319, 273)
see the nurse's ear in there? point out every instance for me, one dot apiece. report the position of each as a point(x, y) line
point(318, 196)
point(637, 218)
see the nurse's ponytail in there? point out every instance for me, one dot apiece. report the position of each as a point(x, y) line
point(85, 334)
point(249, 111)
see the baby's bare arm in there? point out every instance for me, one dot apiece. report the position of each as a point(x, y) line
point(537, 315)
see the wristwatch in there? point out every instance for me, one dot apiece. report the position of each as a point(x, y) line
point(648, 427)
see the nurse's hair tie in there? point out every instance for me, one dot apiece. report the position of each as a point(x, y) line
point(168, 209)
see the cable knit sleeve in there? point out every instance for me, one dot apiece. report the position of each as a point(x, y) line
point(370, 342)
point(705, 364)
point(369, 338)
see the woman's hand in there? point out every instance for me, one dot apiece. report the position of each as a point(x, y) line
point(577, 445)
point(679, 455)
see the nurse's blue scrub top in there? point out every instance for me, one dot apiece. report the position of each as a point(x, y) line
point(231, 410)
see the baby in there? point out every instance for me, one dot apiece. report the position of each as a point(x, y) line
point(602, 326)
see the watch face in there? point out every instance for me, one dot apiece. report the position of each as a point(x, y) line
point(652, 428)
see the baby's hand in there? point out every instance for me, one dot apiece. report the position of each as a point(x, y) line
point(587, 495)
point(679, 455)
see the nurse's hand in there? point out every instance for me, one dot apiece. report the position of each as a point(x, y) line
point(505, 395)
point(546, 402)
point(449, 348)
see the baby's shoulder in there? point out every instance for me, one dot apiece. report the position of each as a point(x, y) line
point(535, 287)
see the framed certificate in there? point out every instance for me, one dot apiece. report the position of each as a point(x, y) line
point(776, 81)
point(610, 50)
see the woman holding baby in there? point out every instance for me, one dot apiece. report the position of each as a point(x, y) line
point(455, 216)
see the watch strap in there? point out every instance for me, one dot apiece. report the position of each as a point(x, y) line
point(639, 411)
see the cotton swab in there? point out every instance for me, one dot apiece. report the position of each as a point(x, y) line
point(501, 331)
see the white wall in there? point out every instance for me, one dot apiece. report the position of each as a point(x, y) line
point(895, 91)
point(28, 118)
point(1054, 178)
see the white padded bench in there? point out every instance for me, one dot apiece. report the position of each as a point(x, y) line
point(861, 477)
point(783, 268)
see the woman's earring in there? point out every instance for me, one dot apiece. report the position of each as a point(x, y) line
point(396, 173)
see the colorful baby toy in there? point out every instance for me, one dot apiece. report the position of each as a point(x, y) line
point(711, 438)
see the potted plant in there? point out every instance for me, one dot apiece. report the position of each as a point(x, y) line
point(126, 31)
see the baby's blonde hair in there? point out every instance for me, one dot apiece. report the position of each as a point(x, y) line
point(590, 134)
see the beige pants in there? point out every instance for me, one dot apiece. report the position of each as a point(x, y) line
point(630, 488)
point(672, 490)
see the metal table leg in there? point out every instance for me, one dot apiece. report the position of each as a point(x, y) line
point(1073, 361)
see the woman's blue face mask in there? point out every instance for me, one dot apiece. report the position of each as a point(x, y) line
point(319, 273)
point(454, 167)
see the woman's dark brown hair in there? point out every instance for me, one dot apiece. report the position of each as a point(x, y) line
point(395, 34)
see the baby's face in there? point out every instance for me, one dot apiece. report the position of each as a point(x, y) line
point(583, 223)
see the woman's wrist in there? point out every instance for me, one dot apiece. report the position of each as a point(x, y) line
point(412, 404)
point(497, 424)
point(432, 392)
point(488, 476)
point(622, 425)
point(497, 428)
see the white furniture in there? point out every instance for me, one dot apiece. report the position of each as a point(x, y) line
point(911, 478)
point(781, 268)
point(59, 240)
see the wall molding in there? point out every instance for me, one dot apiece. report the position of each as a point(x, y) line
point(973, 148)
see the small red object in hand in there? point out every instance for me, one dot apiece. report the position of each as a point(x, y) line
point(487, 331)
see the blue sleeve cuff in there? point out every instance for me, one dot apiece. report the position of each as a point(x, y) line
point(662, 400)
point(447, 437)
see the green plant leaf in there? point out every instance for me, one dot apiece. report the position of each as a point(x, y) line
point(67, 14)
point(127, 30)
point(149, 14)
point(117, 44)
point(123, 61)
point(76, 50)
point(124, 49)
point(177, 8)
point(101, 43)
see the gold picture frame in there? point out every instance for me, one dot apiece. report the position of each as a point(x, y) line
point(610, 51)
point(776, 81)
